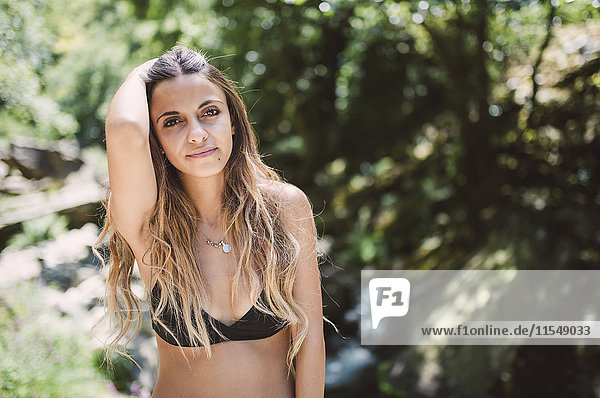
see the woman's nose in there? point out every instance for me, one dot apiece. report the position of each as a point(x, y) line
point(197, 132)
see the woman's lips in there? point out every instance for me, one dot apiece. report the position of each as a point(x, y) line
point(202, 154)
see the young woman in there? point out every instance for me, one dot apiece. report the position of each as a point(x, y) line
point(225, 248)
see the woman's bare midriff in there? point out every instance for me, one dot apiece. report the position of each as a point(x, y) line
point(251, 368)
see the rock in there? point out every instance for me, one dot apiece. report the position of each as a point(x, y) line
point(80, 192)
point(60, 179)
point(18, 266)
point(19, 185)
point(32, 162)
point(100, 331)
point(69, 247)
point(86, 293)
point(348, 365)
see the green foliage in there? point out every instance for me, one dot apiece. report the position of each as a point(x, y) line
point(117, 369)
point(43, 354)
point(384, 385)
point(47, 227)
point(59, 73)
point(91, 60)
point(26, 108)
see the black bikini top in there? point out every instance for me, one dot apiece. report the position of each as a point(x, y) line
point(254, 325)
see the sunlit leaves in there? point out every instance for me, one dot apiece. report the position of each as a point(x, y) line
point(26, 44)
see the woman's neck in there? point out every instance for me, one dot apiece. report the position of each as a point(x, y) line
point(205, 194)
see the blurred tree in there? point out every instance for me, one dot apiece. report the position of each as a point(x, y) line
point(26, 108)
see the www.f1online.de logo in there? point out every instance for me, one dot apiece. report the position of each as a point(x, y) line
point(388, 297)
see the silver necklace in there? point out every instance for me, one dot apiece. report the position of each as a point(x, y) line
point(226, 247)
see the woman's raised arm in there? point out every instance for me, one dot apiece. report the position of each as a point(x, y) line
point(130, 169)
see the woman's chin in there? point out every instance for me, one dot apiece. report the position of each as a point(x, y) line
point(200, 174)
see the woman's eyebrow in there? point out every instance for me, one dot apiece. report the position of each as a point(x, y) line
point(169, 113)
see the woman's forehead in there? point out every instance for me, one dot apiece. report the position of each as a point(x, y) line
point(184, 90)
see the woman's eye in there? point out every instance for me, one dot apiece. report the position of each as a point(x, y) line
point(171, 122)
point(212, 112)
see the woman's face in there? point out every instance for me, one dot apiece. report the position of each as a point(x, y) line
point(192, 123)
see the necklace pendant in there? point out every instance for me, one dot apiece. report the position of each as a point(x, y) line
point(225, 247)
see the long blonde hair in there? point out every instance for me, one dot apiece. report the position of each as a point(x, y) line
point(252, 216)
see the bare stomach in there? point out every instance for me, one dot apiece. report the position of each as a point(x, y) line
point(252, 368)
